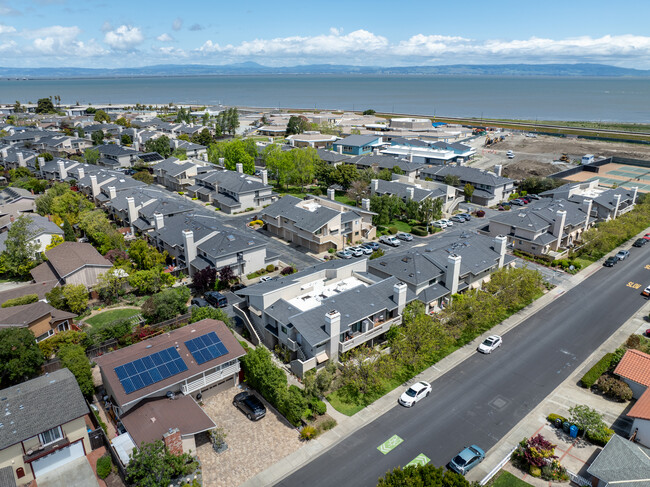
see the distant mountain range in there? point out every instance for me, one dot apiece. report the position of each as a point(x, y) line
point(251, 68)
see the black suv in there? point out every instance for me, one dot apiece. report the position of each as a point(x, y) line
point(250, 405)
point(640, 242)
point(216, 299)
point(199, 302)
point(611, 261)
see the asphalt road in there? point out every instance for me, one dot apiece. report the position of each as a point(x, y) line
point(484, 397)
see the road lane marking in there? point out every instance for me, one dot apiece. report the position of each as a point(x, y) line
point(419, 461)
point(633, 285)
point(390, 444)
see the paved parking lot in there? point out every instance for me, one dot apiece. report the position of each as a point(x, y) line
point(252, 446)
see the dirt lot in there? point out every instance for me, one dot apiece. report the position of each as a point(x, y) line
point(536, 156)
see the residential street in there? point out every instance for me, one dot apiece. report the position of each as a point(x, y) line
point(481, 399)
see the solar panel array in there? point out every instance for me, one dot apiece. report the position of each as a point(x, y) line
point(206, 347)
point(150, 369)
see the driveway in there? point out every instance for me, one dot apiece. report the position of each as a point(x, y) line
point(253, 446)
point(77, 473)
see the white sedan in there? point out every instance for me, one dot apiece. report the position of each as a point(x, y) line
point(414, 393)
point(490, 344)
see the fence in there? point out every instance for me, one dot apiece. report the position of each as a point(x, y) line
point(498, 467)
point(96, 439)
point(577, 479)
point(183, 319)
point(101, 349)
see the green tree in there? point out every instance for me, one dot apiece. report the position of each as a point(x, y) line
point(91, 155)
point(451, 180)
point(587, 419)
point(70, 205)
point(73, 357)
point(369, 112)
point(343, 174)
point(97, 137)
point(56, 240)
point(20, 357)
point(422, 476)
point(124, 122)
point(100, 231)
point(208, 312)
point(468, 191)
point(20, 248)
point(76, 297)
point(144, 176)
point(166, 305)
point(303, 162)
point(204, 137)
point(110, 285)
point(150, 281)
point(297, 125)
point(46, 156)
point(277, 163)
point(235, 153)
point(126, 139)
point(68, 231)
point(144, 256)
point(80, 132)
point(364, 372)
point(160, 145)
point(152, 465)
point(102, 116)
point(358, 190)
point(180, 154)
point(183, 115)
point(55, 297)
point(45, 105)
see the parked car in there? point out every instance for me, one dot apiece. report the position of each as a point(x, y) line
point(534, 196)
point(517, 202)
point(216, 299)
point(407, 237)
point(447, 222)
point(466, 216)
point(457, 219)
point(363, 249)
point(490, 344)
point(414, 394)
point(526, 199)
point(372, 245)
point(344, 254)
point(622, 254)
point(199, 302)
point(439, 224)
point(467, 459)
point(250, 405)
point(646, 236)
point(639, 242)
point(389, 240)
point(237, 287)
point(266, 278)
point(611, 261)
point(646, 291)
point(354, 251)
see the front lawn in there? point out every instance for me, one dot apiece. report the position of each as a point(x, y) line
point(345, 200)
point(506, 479)
point(112, 315)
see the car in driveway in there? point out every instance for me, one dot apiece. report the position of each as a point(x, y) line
point(388, 240)
point(468, 458)
point(415, 393)
point(407, 237)
point(490, 344)
point(250, 405)
point(216, 299)
point(344, 254)
point(199, 302)
point(646, 291)
point(354, 251)
point(457, 219)
point(611, 261)
point(622, 254)
point(639, 242)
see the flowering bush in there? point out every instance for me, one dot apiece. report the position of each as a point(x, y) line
point(535, 451)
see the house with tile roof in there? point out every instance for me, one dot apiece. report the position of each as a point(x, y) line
point(621, 463)
point(154, 386)
point(44, 425)
point(318, 223)
point(634, 370)
point(42, 319)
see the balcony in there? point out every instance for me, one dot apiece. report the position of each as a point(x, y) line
point(377, 330)
point(292, 345)
point(43, 450)
point(209, 379)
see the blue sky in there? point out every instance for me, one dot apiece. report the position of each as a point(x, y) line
point(117, 33)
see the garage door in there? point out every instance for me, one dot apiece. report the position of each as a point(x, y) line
point(58, 458)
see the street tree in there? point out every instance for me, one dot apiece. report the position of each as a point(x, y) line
point(20, 357)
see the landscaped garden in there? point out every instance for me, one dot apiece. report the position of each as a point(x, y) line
point(111, 315)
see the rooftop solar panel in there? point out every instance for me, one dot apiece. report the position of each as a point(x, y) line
point(148, 370)
point(206, 347)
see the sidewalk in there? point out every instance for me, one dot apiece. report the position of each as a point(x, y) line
point(350, 425)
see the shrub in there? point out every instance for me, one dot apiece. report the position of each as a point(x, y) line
point(287, 270)
point(307, 433)
point(632, 342)
point(104, 466)
point(535, 471)
point(614, 388)
point(328, 424)
point(600, 437)
point(592, 375)
point(392, 230)
point(553, 417)
point(376, 254)
point(318, 406)
point(331, 251)
point(480, 213)
point(26, 299)
point(419, 231)
point(270, 268)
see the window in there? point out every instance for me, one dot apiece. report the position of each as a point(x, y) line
point(284, 329)
point(45, 335)
point(63, 326)
point(50, 436)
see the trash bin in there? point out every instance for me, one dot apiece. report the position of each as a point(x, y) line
point(566, 426)
point(573, 431)
point(558, 423)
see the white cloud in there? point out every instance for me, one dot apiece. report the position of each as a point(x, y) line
point(124, 38)
point(177, 24)
point(169, 51)
point(164, 38)
point(7, 29)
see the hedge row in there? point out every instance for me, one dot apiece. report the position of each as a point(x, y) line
point(592, 375)
point(419, 231)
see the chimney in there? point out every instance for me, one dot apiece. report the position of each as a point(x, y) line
point(63, 173)
point(635, 190)
point(333, 328)
point(365, 204)
point(136, 145)
point(264, 174)
point(175, 143)
point(292, 142)
point(339, 149)
point(410, 157)
point(190, 249)
point(94, 187)
point(240, 167)
point(558, 226)
point(222, 161)
point(399, 296)
point(159, 220)
point(11, 218)
point(453, 273)
point(81, 173)
point(497, 169)
point(21, 160)
point(375, 151)
point(331, 194)
point(132, 211)
point(270, 140)
point(586, 205)
point(374, 184)
point(5, 153)
point(118, 141)
point(112, 192)
point(617, 199)
point(500, 242)
point(410, 192)
point(173, 442)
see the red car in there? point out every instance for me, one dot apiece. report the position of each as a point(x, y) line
point(646, 236)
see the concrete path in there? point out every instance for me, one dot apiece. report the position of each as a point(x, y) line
point(77, 473)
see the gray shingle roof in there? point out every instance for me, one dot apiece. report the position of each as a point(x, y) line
point(541, 214)
point(466, 174)
point(25, 314)
point(310, 221)
point(401, 190)
point(38, 225)
point(622, 462)
point(39, 405)
point(115, 150)
point(233, 181)
point(385, 162)
point(358, 140)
